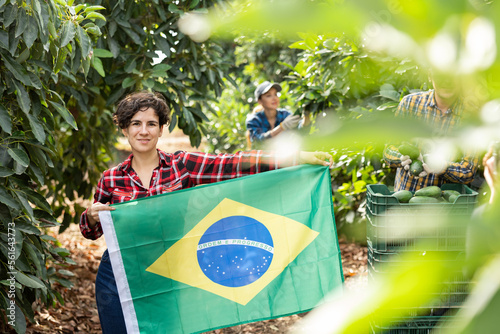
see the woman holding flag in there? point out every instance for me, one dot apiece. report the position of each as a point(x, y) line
point(148, 171)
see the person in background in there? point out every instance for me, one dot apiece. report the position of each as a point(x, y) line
point(442, 107)
point(149, 171)
point(268, 120)
point(490, 163)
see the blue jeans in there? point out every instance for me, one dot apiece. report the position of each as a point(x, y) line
point(108, 302)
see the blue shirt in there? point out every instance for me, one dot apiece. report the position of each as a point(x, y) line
point(258, 125)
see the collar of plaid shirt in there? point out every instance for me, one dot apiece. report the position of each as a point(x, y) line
point(456, 108)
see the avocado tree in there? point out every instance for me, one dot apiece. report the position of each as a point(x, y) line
point(42, 43)
point(138, 47)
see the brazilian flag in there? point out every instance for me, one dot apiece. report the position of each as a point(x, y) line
point(248, 249)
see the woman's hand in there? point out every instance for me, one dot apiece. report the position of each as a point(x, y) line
point(93, 212)
point(315, 158)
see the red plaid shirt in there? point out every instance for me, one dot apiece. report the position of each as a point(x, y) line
point(179, 170)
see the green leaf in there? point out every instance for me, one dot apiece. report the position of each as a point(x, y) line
point(9, 15)
point(86, 65)
point(22, 97)
point(84, 41)
point(65, 114)
point(5, 216)
point(22, 22)
point(5, 121)
point(130, 65)
point(79, 7)
point(68, 32)
point(37, 128)
point(46, 218)
point(148, 83)
point(7, 199)
point(38, 199)
point(61, 251)
point(26, 205)
point(36, 174)
point(17, 70)
point(20, 321)
point(4, 39)
point(31, 282)
point(31, 32)
point(128, 82)
point(47, 237)
point(162, 44)
point(200, 114)
point(31, 250)
point(27, 227)
point(19, 155)
point(194, 3)
point(61, 60)
point(64, 282)
point(65, 272)
point(102, 53)
point(94, 15)
point(161, 68)
point(93, 8)
point(4, 171)
point(159, 87)
point(35, 80)
point(97, 65)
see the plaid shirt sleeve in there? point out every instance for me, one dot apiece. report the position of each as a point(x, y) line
point(463, 171)
point(102, 195)
point(209, 168)
point(257, 130)
point(392, 157)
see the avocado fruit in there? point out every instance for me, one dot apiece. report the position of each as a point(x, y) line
point(430, 191)
point(412, 151)
point(403, 196)
point(416, 167)
point(423, 199)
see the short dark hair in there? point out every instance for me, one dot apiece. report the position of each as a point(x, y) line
point(139, 101)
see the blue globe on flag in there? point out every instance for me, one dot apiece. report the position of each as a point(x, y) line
point(235, 251)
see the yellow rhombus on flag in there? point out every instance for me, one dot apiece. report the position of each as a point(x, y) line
point(180, 262)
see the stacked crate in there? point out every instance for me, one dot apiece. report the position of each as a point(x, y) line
point(394, 229)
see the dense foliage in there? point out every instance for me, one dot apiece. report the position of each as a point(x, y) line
point(41, 45)
point(138, 47)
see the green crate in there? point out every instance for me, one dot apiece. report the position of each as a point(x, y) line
point(381, 202)
point(384, 261)
point(419, 231)
point(415, 325)
point(452, 292)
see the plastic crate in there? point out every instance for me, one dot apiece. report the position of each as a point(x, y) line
point(415, 325)
point(394, 226)
point(416, 231)
point(380, 201)
point(384, 261)
point(451, 294)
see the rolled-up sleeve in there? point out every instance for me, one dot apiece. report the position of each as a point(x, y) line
point(392, 156)
point(257, 129)
point(463, 171)
point(209, 168)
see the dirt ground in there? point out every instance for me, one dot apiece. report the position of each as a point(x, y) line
point(79, 313)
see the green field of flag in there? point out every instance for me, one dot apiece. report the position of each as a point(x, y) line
point(243, 250)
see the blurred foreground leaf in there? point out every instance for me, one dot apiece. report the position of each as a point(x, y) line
point(412, 284)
